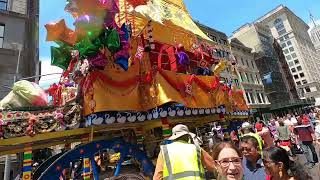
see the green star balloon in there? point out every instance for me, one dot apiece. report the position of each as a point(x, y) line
point(61, 56)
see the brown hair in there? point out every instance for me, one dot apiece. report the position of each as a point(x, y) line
point(218, 148)
point(281, 122)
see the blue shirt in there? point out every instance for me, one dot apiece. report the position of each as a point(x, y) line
point(253, 173)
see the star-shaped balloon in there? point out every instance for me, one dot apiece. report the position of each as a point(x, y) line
point(58, 31)
point(61, 56)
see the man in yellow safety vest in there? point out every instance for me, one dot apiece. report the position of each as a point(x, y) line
point(181, 159)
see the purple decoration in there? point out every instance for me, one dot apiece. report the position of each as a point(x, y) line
point(69, 84)
point(183, 58)
point(98, 61)
point(112, 10)
point(88, 22)
point(124, 52)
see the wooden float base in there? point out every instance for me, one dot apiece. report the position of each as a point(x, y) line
point(39, 141)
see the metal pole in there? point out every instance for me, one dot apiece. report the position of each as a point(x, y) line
point(7, 168)
point(39, 76)
point(18, 64)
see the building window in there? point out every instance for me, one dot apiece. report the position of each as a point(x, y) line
point(296, 61)
point(291, 49)
point(290, 64)
point(288, 57)
point(289, 43)
point(259, 98)
point(304, 81)
point(279, 27)
point(252, 78)
point(296, 76)
point(258, 79)
point(282, 32)
point(3, 4)
point(248, 97)
point(298, 83)
point(247, 63)
point(264, 99)
point(283, 45)
point(293, 70)
point(2, 26)
point(214, 38)
point(308, 89)
point(242, 61)
point(252, 98)
point(277, 21)
point(286, 51)
point(299, 68)
point(294, 55)
point(252, 63)
point(281, 39)
point(247, 77)
point(286, 36)
point(302, 75)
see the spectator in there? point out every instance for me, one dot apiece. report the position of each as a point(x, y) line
point(273, 128)
point(287, 120)
point(317, 131)
point(265, 134)
point(278, 166)
point(293, 119)
point(252, 162)
point(283, 134)
point(305, 135)
point(228, 161)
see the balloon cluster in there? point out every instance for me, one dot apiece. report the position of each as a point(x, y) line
point(96, 38)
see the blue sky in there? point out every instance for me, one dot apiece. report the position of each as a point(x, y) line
point(223, 15)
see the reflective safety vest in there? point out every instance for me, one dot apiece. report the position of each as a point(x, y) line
point(182, 161)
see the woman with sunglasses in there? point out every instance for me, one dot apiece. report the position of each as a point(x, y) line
point(278, 166)
point(228, 161)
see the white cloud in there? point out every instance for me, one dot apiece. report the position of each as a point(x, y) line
point(46, 68)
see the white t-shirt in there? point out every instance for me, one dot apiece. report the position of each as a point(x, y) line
point(294, 120)
point(317, 131)
point(288, 122)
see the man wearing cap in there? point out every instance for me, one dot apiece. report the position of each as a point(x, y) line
point(181, 159)
point(251, 146)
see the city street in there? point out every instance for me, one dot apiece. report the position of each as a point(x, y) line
point(315, 171)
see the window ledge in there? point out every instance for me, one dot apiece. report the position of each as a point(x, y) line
point(11, 13)
point(8, 51)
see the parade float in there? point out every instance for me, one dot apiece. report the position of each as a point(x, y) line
point(132, 70)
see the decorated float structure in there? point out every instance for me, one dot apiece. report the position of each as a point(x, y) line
point(130, 66)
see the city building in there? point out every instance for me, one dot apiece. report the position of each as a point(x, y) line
point(315, 34)
point(249, 77)
point(276, 86)
point(248, 73)
point(215, 35)
point(18, 41)
point(285, 71)
point(18, 56)
point(291, 32)
point(220, 39)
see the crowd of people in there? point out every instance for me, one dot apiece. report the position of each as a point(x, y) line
point(257, 151)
